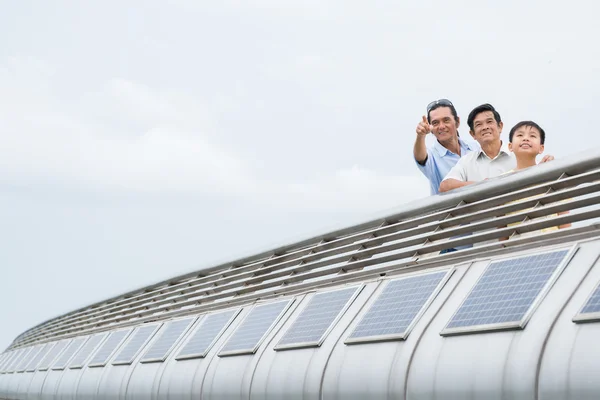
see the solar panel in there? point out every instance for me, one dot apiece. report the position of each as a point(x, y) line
point(317, 318)
point(254, 328)
point(590, 311)
point(26, 359)
point(7, 360)
point(593, 303)
point(505, 294)
point(63, 360)
point(52, 354)
point(80, 358)
point(33, 364)
point(397, 307)
point(162, 346)
point(108, 348)
point(10, 367)
point(208, 331)
point(15, 354)
point(10, 359)
point(140, 337)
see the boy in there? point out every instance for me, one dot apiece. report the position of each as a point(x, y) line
point(526, 141)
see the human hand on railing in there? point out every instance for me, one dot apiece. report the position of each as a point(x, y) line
point(547, 158)
point(423, 128)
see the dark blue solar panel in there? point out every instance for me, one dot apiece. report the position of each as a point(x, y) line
point(593, 303)
point(62, 362)
point(207, 333)
point(52, 354)
point(27, 359)
point(506, 291)
point(395, 309)
point(108, 348)
point(79, 360)
point(38, 358)
point(138, 340)
point(314, 321)
point(10, 359)
point(10, 367)
point(171, 333)
point(250, 333)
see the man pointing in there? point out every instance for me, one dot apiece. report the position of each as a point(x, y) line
point(435, 162)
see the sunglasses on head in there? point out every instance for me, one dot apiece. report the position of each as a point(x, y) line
point(440, 102)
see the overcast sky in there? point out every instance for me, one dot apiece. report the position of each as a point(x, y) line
point(145, 139)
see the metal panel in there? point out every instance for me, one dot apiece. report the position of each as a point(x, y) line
point(138, 340)
point(397, 308)
point(317, 318)
point(109, 348)
point(507, 292)
point(254, 328)
point(208, 331)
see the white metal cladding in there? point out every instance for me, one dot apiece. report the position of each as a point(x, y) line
point(521, 364)
point(570, 363)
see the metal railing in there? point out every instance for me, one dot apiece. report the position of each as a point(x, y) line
point(476, 219)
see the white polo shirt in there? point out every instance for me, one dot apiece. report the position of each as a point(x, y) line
point(477, 166)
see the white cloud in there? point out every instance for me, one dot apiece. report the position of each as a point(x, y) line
point(127, 135)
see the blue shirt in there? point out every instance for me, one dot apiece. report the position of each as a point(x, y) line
point(440, 161)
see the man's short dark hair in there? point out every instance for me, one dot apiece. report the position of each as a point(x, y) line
point(439, 105)
point(530, 124)
point(478, 110)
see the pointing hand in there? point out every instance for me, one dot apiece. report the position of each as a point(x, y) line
point(423, 128)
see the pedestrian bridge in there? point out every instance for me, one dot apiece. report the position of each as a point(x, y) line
point(373, 311)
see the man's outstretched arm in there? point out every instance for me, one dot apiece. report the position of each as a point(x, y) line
point(450, 183)
point(420, 148)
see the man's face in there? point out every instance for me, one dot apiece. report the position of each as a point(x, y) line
point(444, 125)
point(526, 141)
point(485, 128)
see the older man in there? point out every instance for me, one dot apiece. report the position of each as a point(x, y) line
point(435, 162)
point(491, 160)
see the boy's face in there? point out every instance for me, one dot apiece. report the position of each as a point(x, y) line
point(526, 141)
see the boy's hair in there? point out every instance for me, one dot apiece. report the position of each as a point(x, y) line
point(530, 124)
point(478, 110)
